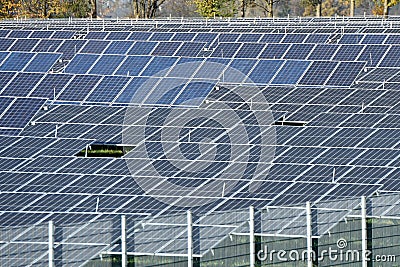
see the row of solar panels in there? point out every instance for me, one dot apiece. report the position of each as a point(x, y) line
point(15, 113)
point(311, 29)
point(221, 37)
point(247, 37)
point(159, 35)
point(374, 55)
point(104, 89)
point(176, 88)
point(365, 130)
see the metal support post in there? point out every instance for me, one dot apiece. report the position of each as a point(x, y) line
point(364, 231)
point(190, 238)
point(51, 244)
point(309, 235)
point(252, 241)
point(124, 260)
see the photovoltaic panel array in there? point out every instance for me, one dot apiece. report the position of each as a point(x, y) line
point(252, 112)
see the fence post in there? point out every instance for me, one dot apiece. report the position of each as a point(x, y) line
point(51, 244)
point(364, 231)
point(124, 260)
point(252, 241)
point(309, 235)
point(190, 238)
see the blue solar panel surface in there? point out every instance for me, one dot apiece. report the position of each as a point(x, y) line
point(335, 104)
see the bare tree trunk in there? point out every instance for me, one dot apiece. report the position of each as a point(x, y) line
point(243, 8)
point(270, 6)
point(319, 9)
point(352, 7)
point(385, 8)
point(136, 8)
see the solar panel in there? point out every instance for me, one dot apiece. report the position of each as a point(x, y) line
point(119, 47)
point(139, 36)
point(318, 73)
point(107, 64)
point(21, 112)
point(345, 73)
point(4, 103)
point(189, 49)
point(118, 35)
point(24, 45)
point(374, 39)
point(323, 52)
point(213, 70)
point(273, 51)
point(96, 35)
point(299, 51)
point(22, 84)
point(375, 157)
point(159, 66)
point(194, 93)
point(133, 65)
point(95, 47)
point(3, 55)
point(291, 72)
point(130, 90)
point(250, 50)
point(107, 89)
point(70, 48)
point(331, 96)
point(226, 50)
point(166, 48)
point(4, 33)
point(392, 39)
point(26, 147)
point(42, 62)
point(165, 91)
point(228, 37)
point(142, 48)
point(79, 88)
point(294, 38)
point(351, 39)
point(41, 34)
point(205, 37)
point(19, 34)
point(391, 58)
point(81, 63)
point(379, 75)
point(383, 138)
point(5, 44)
point(348, 52)
point(50, 85)
point(242, 65)
point(265, 70)
point(47, 45)
point(249, 38)
point(62, 35)
point(272, 38)
point(372, 54)
point(344, 119)
point(317, 38)
point(183, 36)
point(16, 61)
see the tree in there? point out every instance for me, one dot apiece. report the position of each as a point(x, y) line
point(40, 8)
point(178, 8)
point(312, 6)
point(9, 9)
point(216, 8)
point(80, 8)
point(146, 8)
point(382, 7)
point(267, 6)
